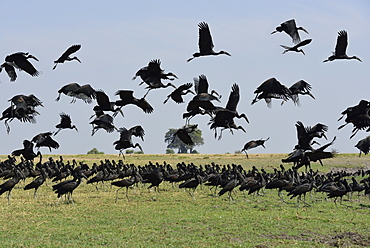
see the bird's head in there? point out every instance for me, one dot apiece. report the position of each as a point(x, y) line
point(29, 56)
point(301, 28)
point(300, 50)
point(75, 58)
point(241, 128)
point(74, 127)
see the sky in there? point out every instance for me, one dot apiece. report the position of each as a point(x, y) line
point(120, 37)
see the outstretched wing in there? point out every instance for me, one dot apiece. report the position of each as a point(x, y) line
point(137, 131)
point(205, 39)
point(233, 98)
point(342, 42)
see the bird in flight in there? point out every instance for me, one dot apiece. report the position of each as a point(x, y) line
point(66, 55)
point(341, 47)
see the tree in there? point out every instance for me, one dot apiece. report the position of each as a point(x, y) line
point(176, 143)
point(94, 151)
point(170, 151)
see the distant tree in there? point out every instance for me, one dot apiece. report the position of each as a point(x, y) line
point(170, 151)
point(139, 152)
point(181, 147)
point(238, 152)
point(129, 151)
point(94, 151)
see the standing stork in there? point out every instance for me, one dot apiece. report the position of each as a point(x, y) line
point(66, 55)
point(205, 43)
point(341, 47)
point(291, 29)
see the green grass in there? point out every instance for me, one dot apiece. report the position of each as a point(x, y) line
point(171, 218)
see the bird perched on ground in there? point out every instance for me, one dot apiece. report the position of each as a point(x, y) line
point(65, 122)
point(20, 61)
point(341, 47)
point(205, 43)
point(84, 92)
point(271, 88)
point(224, 117)
point(253, 144)
point(127, 97)
point(295, 48)
point(299, 88)
point(66, 55)
point(363, 145)
point(45, 139)
point(102, 121)
point(104, 104)
point(125, 140)
point(153, 74)
point(177, 94)
point(27, 151)
point(291, 29)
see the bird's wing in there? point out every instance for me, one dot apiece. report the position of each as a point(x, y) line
point(10, 71)
point(185, 137)
point(23, 64)
point(154, 67)
point(85, 92)
point(342, 42)
point(233, 98)
point(28, 145)
point(301, 130)
point(185, 87)
point(125, 94)
point(70, 50)
point(201, 85)
point(145, 106)
point(205, 39)
point(291, 29)
point(138, 131)
point(101, 98)
point(303, 43)
point(65, 120)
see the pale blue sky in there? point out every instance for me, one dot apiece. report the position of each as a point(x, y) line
point(120, 37)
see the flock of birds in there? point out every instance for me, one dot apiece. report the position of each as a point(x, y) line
point(24, 108)
point(220, 179)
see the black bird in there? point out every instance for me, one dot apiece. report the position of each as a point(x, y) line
point(102, 121)
point(224, 117)
point(67, 187)
point(306, 135)
point(104, 104)
point(341, 47)
point(177, 94)
point(124, 183)
point(66, 55)
point(205, 43)
point(20, 61)
point(8, 185)
point(295, 48)
point(363, 145)
point(300, 88)
point(127, 97)
point(84, 92)
point(35, 184)
point(27, 151)
point(229, 187)
point(291, 29)
point(9, 70)
point(125, 140)
point(183, 134)
point(65, 122)
point(25, 102)
point(253, 144)
point(302, 189)
point(45, 139)
point(192, 183)
point(21, 114)
point(153, 74)
point(201, 86)
point(271, 88)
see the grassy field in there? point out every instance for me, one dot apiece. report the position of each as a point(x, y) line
point(171, 218)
